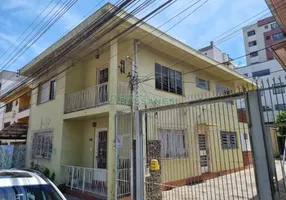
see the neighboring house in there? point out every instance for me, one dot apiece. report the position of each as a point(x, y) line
point(15, 116)
point(7, 80)
point(267, 74)
point(215, 53)
point(259, 36)
point(72, 113)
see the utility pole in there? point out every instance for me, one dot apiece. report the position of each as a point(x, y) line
point(136, 123)
point(139, 135)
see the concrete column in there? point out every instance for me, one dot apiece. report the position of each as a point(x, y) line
point(111, 155)
point(261, 149)
point(112, 72)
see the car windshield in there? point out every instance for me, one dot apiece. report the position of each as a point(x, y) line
point(29, 192)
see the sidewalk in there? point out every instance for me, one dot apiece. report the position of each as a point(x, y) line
point(70, 197)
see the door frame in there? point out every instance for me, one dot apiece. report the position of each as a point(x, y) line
point(96, 145)
point(98, 72)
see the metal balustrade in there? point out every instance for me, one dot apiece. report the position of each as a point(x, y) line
point(87, 180)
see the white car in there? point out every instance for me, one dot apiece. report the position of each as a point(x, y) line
point(27, 185)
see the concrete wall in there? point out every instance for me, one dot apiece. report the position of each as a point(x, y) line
point(48, 115)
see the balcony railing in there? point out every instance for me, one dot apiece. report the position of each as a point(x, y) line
point(87, 180)
point(96, 96)
point(23, 108)
point(84, 99)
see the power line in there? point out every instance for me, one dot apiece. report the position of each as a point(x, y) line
point(181, 59)
point(128, 28)
point(4, 53)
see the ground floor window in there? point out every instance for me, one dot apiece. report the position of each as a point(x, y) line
point(228, 140)
point(172, 143)
point(42, 144)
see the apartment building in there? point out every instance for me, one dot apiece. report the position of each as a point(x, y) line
point(263, 66)
point(80, 89)
point(257, 37)
point(218, 55)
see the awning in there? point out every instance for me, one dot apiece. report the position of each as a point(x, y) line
point(16, 131)
point(279, 51)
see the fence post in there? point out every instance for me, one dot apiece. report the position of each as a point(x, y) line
point(261, 148)
point(83, 180)
point(72, 177)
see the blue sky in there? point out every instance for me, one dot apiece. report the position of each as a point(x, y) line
point(211, 20)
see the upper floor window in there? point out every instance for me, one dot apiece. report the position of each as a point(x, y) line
point(168, 80)
point(274, 25)
point(220, 90)
point(9, 107)
point(278, 36)
point(250, 33)
point(253, 54)
point(246, 74)
point(47, 91)
point(266, 26)
point(203, 84)
point(253, 43)
point(264, 72)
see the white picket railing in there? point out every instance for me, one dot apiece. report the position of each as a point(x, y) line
point(87, 180)
point(88, 98)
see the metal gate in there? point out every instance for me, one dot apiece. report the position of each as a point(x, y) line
point(201, 149)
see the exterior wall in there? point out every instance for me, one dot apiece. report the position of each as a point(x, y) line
point(48, 115)
point(262, 29)
point(147, 59)
point(275, 72)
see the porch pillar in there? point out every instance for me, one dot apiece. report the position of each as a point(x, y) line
point(110, 156)
point(113, 68)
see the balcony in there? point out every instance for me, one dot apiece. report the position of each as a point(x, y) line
point(96, 96)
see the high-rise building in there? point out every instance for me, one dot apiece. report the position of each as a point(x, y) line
point(257, 37)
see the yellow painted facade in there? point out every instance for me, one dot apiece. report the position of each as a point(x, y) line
point(74, 137)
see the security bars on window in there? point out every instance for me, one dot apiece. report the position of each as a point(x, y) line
point(228, 140)
point(42, 145)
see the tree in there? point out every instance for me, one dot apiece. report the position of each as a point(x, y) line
point(281, 119)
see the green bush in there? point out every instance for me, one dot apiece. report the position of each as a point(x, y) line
point(44, 170)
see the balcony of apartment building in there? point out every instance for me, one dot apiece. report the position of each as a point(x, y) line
point(96, 82)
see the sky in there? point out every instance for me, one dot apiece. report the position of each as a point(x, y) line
point(204, 21)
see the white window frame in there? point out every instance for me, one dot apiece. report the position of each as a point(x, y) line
point(202, 84)
point(42, 144)
point(45, 88)
point(173, 145)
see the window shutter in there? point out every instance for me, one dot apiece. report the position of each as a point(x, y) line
point(45, 92)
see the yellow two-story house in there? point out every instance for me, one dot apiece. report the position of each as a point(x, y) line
point(77, 87)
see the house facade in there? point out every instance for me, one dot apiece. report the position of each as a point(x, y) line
point(15, 116)
point(77, 95)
